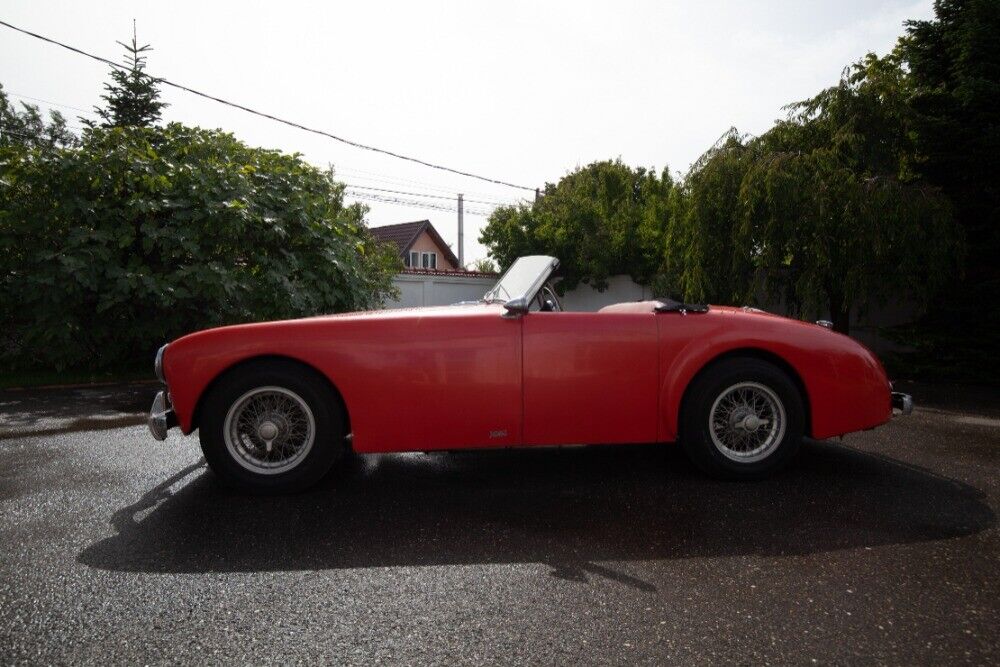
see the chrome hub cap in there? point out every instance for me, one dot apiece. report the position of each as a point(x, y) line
point(269, 430)
point(747, 422)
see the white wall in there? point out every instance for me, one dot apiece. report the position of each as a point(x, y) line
point(864, 327)
point(441, 290)
point(428, 289)
point(585, 298)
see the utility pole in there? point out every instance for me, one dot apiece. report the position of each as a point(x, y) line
point(461, 234)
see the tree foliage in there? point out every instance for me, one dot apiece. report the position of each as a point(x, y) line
point(601, 220)
point(954, 70)
point(702, 261)
point(824, 237)
point(132, 97)
point(143, 234)
point(26, 128)
point(483, 265)
point(826, 211)
point(833, 216)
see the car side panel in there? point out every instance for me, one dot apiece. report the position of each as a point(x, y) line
point(415, 382)
point(590, 378)
point(447, 378)
point(846, 387)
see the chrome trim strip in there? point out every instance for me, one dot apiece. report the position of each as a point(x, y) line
point(158, 365)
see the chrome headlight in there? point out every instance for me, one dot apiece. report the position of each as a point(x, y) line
point(158, 365)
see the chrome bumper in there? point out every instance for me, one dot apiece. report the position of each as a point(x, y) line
point(902, 402)
point(161, 418)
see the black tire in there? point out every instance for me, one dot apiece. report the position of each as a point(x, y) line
point(733, 375)
point(298, 382)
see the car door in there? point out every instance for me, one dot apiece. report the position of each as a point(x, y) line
point(589, 378)
point(436, 378)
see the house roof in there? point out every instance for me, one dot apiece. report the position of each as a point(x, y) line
point(405, 234)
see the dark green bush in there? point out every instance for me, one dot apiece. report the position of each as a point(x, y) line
point(139, 235)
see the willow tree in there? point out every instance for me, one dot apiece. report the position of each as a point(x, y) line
point(827, 238)
point(833, 216)
point(701, 260)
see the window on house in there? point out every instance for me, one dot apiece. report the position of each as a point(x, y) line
point(413, 260)
point(429, 260)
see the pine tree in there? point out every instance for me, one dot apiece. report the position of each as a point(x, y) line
point(133, 98)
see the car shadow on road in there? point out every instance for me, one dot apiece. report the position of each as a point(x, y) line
point(567, 508)
point(29, 412)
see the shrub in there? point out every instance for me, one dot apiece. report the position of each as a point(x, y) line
point(142, 234)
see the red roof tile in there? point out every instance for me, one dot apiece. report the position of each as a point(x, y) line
point(449, 272)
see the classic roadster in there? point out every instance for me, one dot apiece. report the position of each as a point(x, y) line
point(277, 403)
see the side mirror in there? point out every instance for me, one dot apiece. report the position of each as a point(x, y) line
point(516, 307)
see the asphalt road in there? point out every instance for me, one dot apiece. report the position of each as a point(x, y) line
point(118, 549)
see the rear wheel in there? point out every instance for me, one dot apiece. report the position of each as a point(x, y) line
point(742, 419)
point(271, 426)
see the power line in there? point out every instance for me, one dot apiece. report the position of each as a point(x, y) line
point(342, 140)
point(411, 202)
point(423, 194)
point(399, 201)
point(396, 181)
point(345, 170)
point(451, 197)
point(50, 103)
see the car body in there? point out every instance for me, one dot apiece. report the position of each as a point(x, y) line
point(500, 373)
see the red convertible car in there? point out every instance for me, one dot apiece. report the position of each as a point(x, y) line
point(277, 403)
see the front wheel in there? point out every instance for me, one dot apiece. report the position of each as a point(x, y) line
point(742, 419)
point(271, 426)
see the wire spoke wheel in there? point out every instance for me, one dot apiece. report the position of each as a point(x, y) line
point(269, 430)
point(747, 422)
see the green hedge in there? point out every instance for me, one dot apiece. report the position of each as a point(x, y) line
point(139, 235)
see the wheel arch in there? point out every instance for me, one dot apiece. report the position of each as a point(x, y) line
point(761, 355)
point(251, 361)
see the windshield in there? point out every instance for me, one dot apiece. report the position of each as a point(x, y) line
point(523, 279)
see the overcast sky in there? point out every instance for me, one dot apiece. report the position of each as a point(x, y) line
point(518, 91)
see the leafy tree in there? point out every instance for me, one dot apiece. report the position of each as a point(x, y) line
point(484, 265)
point(865, 120)
point(954, 67)
point(601, 220)
point(824, 211)
point(132, 97)
point(824, 236)
point(27, 128)
point(143, 234)
point(954, 64)
point(701, 260)
point(833, 214)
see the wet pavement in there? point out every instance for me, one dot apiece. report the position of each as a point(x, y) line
point(881, 548)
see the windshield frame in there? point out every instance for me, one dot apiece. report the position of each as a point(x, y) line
point(534, 284)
